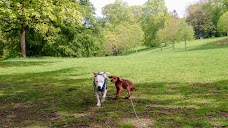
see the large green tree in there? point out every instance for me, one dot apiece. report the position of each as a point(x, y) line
point(122, 30)
point(40, 15)
point(154, 16)
point(1, 43)
point(82, 41)
point(117, 13)
point(122, 38)
point(216, 8)
point(201, 20)
point(174, 31)
point(136, 12)
point(185, 32)
point(170, 31)
point(223, 23)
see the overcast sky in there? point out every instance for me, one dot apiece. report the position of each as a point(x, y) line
point(178, 5)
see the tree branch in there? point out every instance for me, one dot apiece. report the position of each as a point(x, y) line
point(10, 30)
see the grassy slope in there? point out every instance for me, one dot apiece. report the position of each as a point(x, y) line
point(176, 88)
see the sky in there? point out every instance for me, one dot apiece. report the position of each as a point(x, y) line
point(178, 5)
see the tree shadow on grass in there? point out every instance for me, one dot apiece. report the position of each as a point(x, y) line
point(208, 46)
point(138, 51)
point(47, 99)
point(6, 64)
point(179, 104)
point(37, 97)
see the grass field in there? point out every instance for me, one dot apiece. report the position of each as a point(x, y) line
point(175, 88)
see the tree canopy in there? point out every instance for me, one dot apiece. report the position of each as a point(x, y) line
point(223, 23)
point(70, 28)
point(153, 18)
point(121, 34)
point(40, 15)
point(174, 31)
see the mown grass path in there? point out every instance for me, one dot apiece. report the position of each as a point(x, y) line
point(175, 88)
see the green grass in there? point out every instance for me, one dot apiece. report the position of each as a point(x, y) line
point(175, 88)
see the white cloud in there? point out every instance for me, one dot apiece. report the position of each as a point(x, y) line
point(178, 5)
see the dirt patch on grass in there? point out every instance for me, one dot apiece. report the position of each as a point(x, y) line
point(23, 114)
point(224, 113)
point(137, 123)
point(222, 42)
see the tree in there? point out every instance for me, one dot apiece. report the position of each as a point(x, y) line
point(136, 36)
point(154, 16)
point(122, 38)
point(185, 32)
point(171, 29)
point(40, 15)
point(79, 41)
point(121, 30)
point(1, 44)
point(136, 12)
point(201, 20)
point(216, 8)
point(117, 12)
point(161, 36)
point(223, 23)
point(175, 30)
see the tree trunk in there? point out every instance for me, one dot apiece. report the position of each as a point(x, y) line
point(173, 45)
point(22, 41)
point(161, 46)
point(185, 44)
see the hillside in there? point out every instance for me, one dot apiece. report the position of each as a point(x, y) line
point(175, 88)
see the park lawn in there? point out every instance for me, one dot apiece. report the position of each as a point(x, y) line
point(175, 88)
